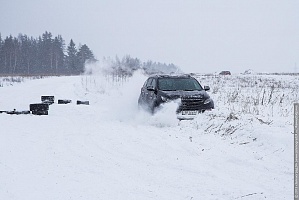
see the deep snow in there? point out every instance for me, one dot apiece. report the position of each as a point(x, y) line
point(111, 150)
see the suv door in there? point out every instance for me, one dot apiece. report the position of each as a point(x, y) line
point(145, 91)
point(152, 93)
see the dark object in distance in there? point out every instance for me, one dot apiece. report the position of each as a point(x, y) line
point(82, 102)
point(191, 96)
point(47, 99)
point(64, 101)
point(225, 73)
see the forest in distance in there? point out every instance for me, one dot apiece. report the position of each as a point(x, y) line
point(46, 55)
point(49, 55)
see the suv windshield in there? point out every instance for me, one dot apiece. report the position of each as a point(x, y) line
point(171, 84)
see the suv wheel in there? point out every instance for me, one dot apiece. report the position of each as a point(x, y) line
point(152, 108)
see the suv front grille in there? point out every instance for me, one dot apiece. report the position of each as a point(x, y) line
point(190, 104)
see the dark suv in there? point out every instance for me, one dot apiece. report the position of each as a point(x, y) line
point(192, 98)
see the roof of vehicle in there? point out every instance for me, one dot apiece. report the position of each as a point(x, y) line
point(172, 76)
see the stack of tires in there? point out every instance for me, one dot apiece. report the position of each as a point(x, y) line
point(39, 108)
point(47, 99)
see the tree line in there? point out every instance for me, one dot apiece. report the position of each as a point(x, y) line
point(45, 55)
point(48, 55)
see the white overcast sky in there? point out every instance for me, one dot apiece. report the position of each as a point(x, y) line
point(197, 35)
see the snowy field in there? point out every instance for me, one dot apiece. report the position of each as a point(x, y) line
point(109, 150)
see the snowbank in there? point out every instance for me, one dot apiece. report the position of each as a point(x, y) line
point(111, 150)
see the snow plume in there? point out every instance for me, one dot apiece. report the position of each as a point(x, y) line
point(96, 68)
point(165, 115)
point(123, 105)
point(124, 97)
point(120, 97)
point(118, 94)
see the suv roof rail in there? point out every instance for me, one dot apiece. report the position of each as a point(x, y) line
point(171, 75)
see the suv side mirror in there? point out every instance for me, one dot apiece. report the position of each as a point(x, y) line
point(150, 88)
point(206, 88)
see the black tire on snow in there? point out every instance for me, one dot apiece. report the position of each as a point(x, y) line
point(47, 99)
point(82, 102)
point(64, 101)
point(35, 112)
point(25, 112)
point(39, 107)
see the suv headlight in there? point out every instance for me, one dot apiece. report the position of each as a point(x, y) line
point(208, 100)
point(165, 99)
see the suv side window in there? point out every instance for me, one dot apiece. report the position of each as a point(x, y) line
point(149, 81)
point(154, 83)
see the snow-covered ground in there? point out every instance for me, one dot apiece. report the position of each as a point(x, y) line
point(109, 150)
